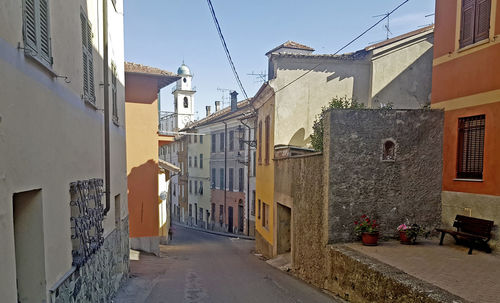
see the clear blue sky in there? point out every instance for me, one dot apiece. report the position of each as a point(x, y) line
point(163, 33)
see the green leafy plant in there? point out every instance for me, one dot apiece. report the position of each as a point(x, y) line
point(365, 225)
point(336, 102)
point(413, 231)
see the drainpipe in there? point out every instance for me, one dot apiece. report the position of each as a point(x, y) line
point(225, 171)
point(107, 165)
point(249, 157)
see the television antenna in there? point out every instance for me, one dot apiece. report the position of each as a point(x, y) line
point(259, 77)
point(387, 24)
point(224, 97)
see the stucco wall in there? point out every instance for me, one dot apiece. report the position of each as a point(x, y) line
point(49, 136)
point(394, 191)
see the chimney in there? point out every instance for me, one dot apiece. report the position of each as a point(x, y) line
point(217, 106)
point(234, 101)
point(208, 110)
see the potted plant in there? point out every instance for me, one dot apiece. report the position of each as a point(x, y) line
point(368, 230)
point(408, 233)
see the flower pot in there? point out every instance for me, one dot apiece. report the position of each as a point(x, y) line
point(403, 238)
point(370, 239)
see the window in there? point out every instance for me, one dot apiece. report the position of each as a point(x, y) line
point(190, 210)
point(201, 160)
point(201, 214)
point(190, 187)
point(389, 151)
point(221, 146)
point(231, 178)
point(190, 162)
point(221, 184)
point(195, 161)
point(186, 103)
point(470, 147)
point(213, 178)
point(231, 140)
point(253, 163)
point(189, 139)
point(240, 179)
point(201, 139)
point(265, 215)
point(114, 93)
point(258, 210)
point(267, 126)
point(201, 188)
point(213, 143)
point(196, 187)
point(195, 138)
point(36, 30)
point(260, 142)
point(88, 61)
point(475, 21)
point(252, 210)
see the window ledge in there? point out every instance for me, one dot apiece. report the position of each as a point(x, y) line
point(468, 180)
point(46, 66)
point(90, 103)
point(484, 41)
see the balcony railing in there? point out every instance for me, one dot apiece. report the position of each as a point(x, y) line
point(193, 89)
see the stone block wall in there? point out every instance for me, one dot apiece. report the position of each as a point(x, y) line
point(392, 186)
point(99, 279)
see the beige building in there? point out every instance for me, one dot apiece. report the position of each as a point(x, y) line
point(56, 184)
point(397, 71)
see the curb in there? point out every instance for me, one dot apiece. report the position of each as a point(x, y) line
point(214, 232)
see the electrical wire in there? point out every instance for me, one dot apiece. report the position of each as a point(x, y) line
point(343, 47)
point(224, 45)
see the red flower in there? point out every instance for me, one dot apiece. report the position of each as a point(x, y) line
point(363, 216)
point(367, 220)
point(356, 222)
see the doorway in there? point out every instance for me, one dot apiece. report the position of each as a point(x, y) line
point(284, 228)
point(230, 219)
point(241, 215)
point(29, 246)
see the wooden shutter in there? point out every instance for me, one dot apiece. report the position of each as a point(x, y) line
point(467, 24)
point(83, 20)
point(260, 142)
point(482, 20)
point(30, 28)
point(267, 129)
point(88, 60)
point(91, 62)
point(44, 31)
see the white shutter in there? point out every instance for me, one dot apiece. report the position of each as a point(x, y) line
point(30, 25)
point(44, 31)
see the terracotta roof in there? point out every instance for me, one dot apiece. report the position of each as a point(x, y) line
point(291, 44)
point(164, 77)
point(218, 115)
point(347, 56)
point(400, 37)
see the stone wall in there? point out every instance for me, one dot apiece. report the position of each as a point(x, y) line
point(99, 279)
point(308, 216)
point(403, 187)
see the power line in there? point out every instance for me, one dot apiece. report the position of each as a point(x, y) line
point(342, 48)
point(224, 45)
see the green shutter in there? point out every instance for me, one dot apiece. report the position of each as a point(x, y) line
point(44, 31)
point(30, 29)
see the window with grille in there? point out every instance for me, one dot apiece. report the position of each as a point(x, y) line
point(36, 30)
point(475, 21)
point(88, 60)
point(470, 147)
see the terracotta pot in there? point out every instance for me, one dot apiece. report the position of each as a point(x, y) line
point(370, 239)
point(403, 239)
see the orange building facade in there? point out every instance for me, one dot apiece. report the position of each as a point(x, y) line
point(466, 84)
point(147, 221)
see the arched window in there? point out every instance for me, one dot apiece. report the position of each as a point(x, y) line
point(186, 102)
point(389, 151)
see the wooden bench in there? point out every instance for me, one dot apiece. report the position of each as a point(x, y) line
point(474, 231)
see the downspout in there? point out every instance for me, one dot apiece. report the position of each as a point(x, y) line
point(248, 176)
point(107, 165)
point(225, 171)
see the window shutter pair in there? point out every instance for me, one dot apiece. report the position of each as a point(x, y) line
point(88, 60)
point(36, 29)
point(475, 24)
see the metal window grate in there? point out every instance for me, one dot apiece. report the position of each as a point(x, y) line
point(470, 147)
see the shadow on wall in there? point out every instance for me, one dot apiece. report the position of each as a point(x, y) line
point(298, 139)
point(142, 183)
point(411, 88)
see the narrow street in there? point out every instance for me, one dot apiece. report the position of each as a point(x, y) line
point(201, 267)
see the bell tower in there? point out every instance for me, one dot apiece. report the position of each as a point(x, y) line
point(183, 98)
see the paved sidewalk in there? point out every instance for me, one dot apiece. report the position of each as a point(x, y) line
point(473, 277)
point(231, 235)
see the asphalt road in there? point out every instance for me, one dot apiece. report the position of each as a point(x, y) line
point(201, 267)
